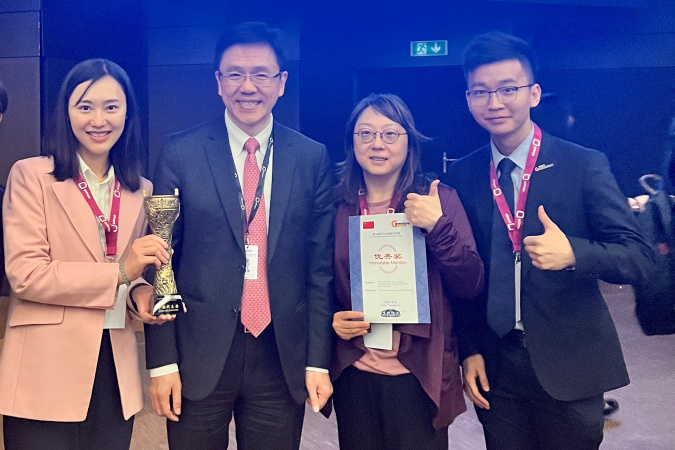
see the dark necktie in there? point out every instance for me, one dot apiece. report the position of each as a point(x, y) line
point(255, 301)
point(501, 309)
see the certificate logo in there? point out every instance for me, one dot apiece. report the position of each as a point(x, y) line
point(391, 313)
point(368, 225)
point(397, 224)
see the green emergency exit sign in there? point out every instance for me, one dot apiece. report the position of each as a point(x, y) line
point(428, 48)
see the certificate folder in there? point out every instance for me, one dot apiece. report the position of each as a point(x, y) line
point(388, 269)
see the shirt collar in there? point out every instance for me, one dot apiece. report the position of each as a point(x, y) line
point(519, 155)
point(89, 175)
point(238, 137)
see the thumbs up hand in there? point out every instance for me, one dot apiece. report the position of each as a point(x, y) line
point(551, 250)
point(424, 210)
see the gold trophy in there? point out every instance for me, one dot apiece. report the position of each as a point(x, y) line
point(162, 212)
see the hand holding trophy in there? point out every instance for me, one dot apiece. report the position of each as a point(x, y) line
point(162, 212)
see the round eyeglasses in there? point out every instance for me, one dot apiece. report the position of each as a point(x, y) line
point(367, 136)
point(506, 94)
point(258, 79)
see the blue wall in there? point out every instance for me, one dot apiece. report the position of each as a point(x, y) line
point(610, 62)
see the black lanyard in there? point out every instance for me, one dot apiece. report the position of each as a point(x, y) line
point(258, 191)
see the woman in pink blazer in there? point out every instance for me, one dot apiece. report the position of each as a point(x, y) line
point(73, 221)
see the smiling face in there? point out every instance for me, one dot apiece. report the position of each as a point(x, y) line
point(98, 118)
point(508, 122)
point(250, 106)
point(377, 158)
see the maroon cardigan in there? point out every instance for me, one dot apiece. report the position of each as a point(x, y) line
point(428, 351)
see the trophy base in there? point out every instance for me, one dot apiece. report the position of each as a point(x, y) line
point(167, 304)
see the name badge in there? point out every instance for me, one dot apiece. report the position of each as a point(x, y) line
point(251, 263)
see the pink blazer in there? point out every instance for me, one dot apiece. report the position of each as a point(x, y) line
point(61, 287)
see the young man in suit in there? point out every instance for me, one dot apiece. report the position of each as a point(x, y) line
point(253, 252)
point(539, 348)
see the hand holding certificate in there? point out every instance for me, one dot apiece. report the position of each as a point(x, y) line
point(349, 324)
point(388, 269)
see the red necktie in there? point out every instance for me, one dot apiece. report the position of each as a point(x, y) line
point(255, 301)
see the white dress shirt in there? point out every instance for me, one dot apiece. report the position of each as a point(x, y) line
point(101, 191)
point(238, 138)
point(519, 157)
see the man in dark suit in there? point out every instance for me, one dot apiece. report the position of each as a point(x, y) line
point(253, 252)
point(539, 348)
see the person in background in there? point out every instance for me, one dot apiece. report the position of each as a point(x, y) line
point(4, 101)
point(406, 397)
point(69, 369)
point(540, 348)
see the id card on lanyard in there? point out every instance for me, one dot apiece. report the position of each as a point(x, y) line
point(109, 224)
point(514, 221)
point(114, 318)
point(251, 272)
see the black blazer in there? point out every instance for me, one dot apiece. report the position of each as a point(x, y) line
point(209, 257)
point(571, 338)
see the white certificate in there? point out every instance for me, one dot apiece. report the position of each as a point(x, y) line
point(388, 269)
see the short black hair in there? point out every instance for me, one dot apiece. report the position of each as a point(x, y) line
point(251, 33)
point(60, 141)
point(496, 46)
point(4, 100)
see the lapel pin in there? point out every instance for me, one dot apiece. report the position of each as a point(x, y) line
point(541, 167)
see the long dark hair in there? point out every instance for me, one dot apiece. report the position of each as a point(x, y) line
point(60, 142)
point(350, 174)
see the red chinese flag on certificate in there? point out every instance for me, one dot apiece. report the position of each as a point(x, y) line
point(368, 225)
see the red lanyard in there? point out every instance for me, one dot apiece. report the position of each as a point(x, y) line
point(514, 225)
point(109, 226)
point(363, 204)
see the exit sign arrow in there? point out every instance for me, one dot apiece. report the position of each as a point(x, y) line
point(428, 48)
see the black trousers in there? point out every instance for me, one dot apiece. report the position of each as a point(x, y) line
point(522, 416)
point(103, 429)
point(253, 389)
point(380, 412)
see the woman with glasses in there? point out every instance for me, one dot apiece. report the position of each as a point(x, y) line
point(406, 397)
point(69, 368)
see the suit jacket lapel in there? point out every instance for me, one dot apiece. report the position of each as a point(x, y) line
point(219, 156)
point(539, 188)
point(283, 166)
point(80, 215)
point(483, 196)
point(540, 191)
point(131, 205)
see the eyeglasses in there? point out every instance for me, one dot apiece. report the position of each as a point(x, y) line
point(258, 79)
point(367, 136)
point(506, 94)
